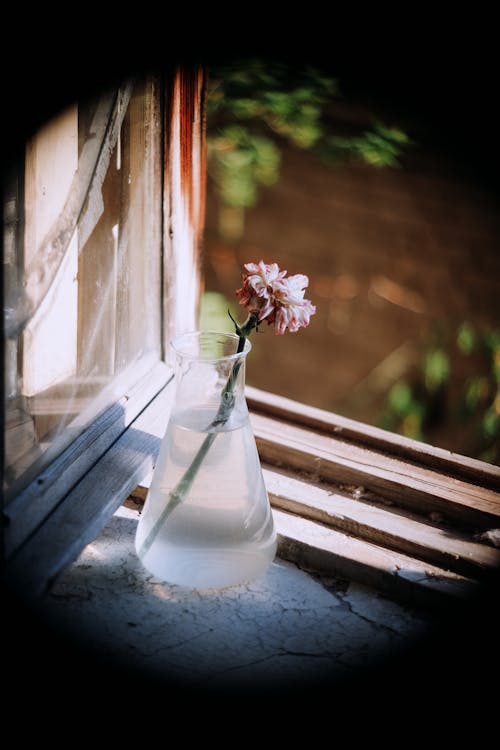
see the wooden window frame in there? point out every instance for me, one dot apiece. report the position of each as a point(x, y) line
point(75, 475)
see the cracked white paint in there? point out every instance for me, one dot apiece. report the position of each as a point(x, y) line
point(282, 629)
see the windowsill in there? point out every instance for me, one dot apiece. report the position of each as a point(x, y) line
point(361, 515)
point(74, 487)
point(348, 500)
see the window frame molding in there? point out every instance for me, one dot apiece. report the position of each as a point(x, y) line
point(48, 523)
point(24, 514)
point(88, 506)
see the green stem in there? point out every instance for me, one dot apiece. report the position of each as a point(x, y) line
point(223, 413)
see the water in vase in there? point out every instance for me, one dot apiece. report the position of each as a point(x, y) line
point(221, 531)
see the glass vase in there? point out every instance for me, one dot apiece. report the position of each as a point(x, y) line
point(207, 521)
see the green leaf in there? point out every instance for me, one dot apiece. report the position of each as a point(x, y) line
point(496, 366)
point(400, 398)
point(466, 338)
point(436, 369)
point(476, 391)
point(491, 339)
point(392, 134)
point(245, 108)
point(491, 424)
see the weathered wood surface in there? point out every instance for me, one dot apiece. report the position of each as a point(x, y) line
point(69, 503)
point(314, 546)
point(332, 529)
point(93, 500)
point(404, 483)
point(388, 495)
point(49, 342)
point(365, 519)
point(184, 200)
point(358, 509)
point(29, 508)
point(365, 435)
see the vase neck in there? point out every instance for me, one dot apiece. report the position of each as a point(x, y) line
point(209, 370)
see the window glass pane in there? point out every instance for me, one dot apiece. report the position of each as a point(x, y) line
point(82, 272)
point(390, 207)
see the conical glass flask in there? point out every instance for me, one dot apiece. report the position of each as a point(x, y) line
point(207, 521)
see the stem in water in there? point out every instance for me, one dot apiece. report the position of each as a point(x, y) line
point(223, 413)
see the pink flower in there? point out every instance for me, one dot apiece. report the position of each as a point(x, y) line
point(267, 293)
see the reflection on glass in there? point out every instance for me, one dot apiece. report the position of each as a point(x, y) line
point(82, 272)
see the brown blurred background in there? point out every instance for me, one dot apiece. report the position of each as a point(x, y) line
point(404, 269)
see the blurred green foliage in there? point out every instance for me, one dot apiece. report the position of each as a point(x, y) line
point(379, 147)
point(214, 313)
point(435, 395)
point(254, 105)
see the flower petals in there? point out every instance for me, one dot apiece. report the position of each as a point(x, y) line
point(267, 292)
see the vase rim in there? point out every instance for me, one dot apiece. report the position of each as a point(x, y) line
point(183, 338)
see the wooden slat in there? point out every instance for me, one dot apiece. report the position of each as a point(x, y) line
point(415, 452)
point(329, 458)
point(318, 548)
point(445, 547)
point(91, 503)
point(28, 509)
